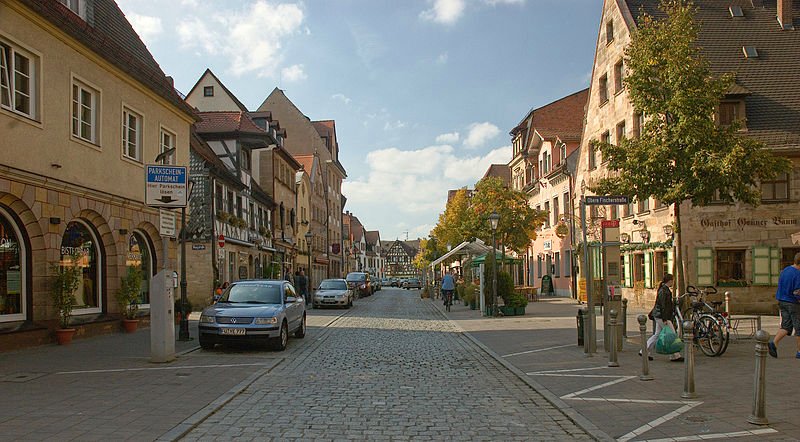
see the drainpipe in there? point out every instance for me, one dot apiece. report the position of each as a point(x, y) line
point(572, 234)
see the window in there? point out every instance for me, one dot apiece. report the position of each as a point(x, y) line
point(730, 266)
point(614, 211)
point(208, 91)
point(777, 189)
point(547, 209)
point(75, 6)
point(230, 203)
point(661, 266)
point(609, 31)
point(787, 258)
point(638, 125)
point(84, 111)
point(620, 131)
point(638, 267)
point(12, 271)
point(80, 248)
point(539, 266)
point(628, 210)
point(555, 211)
point(568, 263)
point(557, 272)
point(644, 205)
point(17, 80)
point(245, 159)
point(728, 113)
point(131, 134)
point(238, 200)
point(618, 77)
point(592, 156)
point(167, 143)
point(218, 195)
point(252, 214)
point(603, 89)
point(563, 153)
point(566, 203)
point(593, 213)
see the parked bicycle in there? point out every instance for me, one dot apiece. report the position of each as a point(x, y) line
point(711, 327)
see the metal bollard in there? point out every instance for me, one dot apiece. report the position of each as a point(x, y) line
point(645, 376)
point(612, 327)
point(759, 414)
point(587, 347)
point(624, 317)
point(728, 302)
point(688, 365)
point(581, 324)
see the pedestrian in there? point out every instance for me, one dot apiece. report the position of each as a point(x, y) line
point(302, 285)
point(788, 296)
point(448, 287)
point(663, 313)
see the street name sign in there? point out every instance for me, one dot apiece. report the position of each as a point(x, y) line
point(165, 186)
point(602, 200)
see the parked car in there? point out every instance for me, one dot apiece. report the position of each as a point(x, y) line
point(377, 285)
point(360, 283)
point(333, 293)
point(386, 282)
point(412, 283)
point(264, 311)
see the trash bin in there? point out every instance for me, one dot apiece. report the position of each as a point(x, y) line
point(581, 321)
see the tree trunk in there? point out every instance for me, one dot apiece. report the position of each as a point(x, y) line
point(680, 283)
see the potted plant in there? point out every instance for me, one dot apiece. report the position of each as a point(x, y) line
point(128, 298)
point(65, 282)
point(223, 216)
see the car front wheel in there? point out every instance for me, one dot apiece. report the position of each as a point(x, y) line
point(281, 341)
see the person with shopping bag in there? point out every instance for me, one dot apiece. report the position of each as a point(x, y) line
point(663, 312)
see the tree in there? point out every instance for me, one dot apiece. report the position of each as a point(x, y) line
point(682, 154)
point(428, 252)
point(455, 223)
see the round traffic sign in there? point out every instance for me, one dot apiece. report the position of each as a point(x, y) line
point(221, 240)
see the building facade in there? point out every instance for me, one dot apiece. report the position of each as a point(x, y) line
point(77, 121)
point(400, 259)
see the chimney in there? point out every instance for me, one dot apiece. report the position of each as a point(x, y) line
point(785, 14)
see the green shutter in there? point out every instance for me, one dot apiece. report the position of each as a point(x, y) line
point(628, 270)
point(775, 265)
point(648, 270)
point(761, 265)
point(705, 266)
point(671, 262)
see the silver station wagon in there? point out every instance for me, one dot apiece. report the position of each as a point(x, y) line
point(333, 293)
point(263, 311)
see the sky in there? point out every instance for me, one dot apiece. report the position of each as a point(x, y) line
point(424, 92)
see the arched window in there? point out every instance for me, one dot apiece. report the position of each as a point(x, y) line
point(12, 271)
point(140, 254)
point(79, 247)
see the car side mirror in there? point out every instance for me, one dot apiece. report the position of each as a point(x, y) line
point(290, 299)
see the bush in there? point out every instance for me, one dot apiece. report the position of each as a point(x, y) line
point(128, 293)
point(468, 292)
point(516, 300)
point(505, 283)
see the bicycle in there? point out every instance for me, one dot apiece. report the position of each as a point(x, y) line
point(448, 299)
point(711, 328)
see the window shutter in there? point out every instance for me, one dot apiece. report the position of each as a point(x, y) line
point(761, 265)
point(671, 262)
point(775, 265)
point(705, 266)
point(648, 271)
point(628, 270)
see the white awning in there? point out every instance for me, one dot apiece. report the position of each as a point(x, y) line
point(476, 247)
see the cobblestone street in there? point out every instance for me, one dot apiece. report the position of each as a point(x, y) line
point(391, 369)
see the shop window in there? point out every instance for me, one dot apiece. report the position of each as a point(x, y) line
point(85, 111)
point(140, 255)
point(626, 274)
point(12, 268)
point(730, 266)
point(18, 85)
point(131, 134)
point(80, 248)
point(777, 189)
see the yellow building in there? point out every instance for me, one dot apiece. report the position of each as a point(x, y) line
point(83, 108)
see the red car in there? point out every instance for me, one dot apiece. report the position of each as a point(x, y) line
point(360, 283)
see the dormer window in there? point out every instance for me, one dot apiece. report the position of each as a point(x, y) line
point(731, 111)
point(76, 6)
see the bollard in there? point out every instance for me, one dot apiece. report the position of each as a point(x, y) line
point(645, 376)
point(587, 347)
point(581, 323)
point(625, 317)
point(688, 360)
point(759, 415)
point(612, 328)
point(728, 303)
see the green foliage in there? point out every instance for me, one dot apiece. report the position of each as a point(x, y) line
point(516, 300)
point(128, 293)
point(64, 284)
point(467, 292)
point(428, 252)
point(505, 283)
point(456, 223)
point(647, 246)
point(682, 153)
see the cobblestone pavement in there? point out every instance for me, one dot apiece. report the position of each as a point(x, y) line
point(393, 369)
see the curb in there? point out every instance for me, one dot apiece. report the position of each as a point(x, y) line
point(565, 408)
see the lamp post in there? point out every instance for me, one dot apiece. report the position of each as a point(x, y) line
point(183, 331)
point(309, 236)
point(494, 219)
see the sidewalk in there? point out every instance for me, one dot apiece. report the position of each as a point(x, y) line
point(543, 345)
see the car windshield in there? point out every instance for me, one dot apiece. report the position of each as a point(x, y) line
point(356, 277)
point(329, 284)
point(253, 294)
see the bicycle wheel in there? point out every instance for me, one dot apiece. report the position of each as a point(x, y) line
point(725, 327)
point(709, 335)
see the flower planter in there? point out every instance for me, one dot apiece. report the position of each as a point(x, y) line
point(64, 335)
point(130, 325)
point(507, 311)
point(520, 311)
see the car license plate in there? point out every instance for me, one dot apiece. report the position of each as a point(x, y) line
point(233, 331)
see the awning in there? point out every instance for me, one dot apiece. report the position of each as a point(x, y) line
point(465, 248)
point(498, 255)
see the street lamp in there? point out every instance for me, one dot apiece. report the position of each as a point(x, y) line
point(494, 219)
point(309, 236)
point(183, 331)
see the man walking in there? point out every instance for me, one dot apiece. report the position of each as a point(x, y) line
point(789, 306)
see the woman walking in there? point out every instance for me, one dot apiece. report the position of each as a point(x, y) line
point(663, 313)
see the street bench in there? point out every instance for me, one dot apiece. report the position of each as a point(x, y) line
point(752, 325)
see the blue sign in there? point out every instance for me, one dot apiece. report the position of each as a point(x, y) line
point(165, 186)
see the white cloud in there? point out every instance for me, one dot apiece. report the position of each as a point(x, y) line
point(293, 73)
point(250, 39)
point(442, 58)
point(479, 134)
point(341, 97)
point(148, 28)
point(394, 125)
point(445, 12)
point(504, 2)
point(448, 138)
